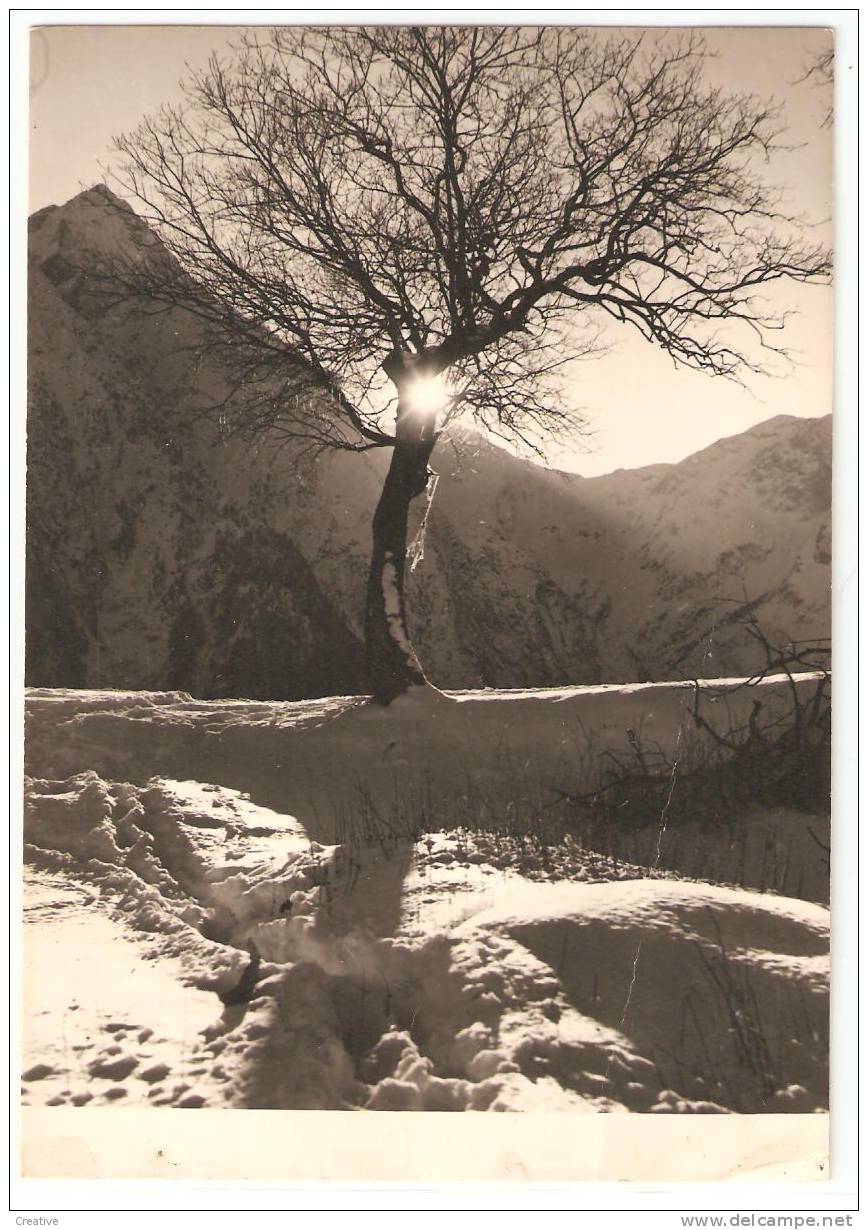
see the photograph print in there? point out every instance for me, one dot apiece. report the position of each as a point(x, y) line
point(428, 562)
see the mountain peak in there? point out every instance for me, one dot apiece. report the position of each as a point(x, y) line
point(100, 194)
point(85, 228)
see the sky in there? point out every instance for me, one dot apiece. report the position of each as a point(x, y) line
point(89, 83)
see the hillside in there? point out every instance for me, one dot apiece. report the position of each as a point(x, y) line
point(162, 554)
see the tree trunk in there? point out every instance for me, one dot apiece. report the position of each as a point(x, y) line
point(392, 665)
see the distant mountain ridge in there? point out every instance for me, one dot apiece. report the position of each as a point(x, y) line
point(162, 555)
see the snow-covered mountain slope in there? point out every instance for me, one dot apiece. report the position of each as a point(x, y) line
point(161, 554)
point(190, 943)
point(640, 574)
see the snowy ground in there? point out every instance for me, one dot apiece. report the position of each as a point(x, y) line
point(244, 904)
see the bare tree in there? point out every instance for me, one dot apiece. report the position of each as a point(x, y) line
point(821, 73)
point(387, 227)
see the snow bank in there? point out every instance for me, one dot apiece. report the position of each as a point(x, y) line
point(724, 991)
point(330, 761)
